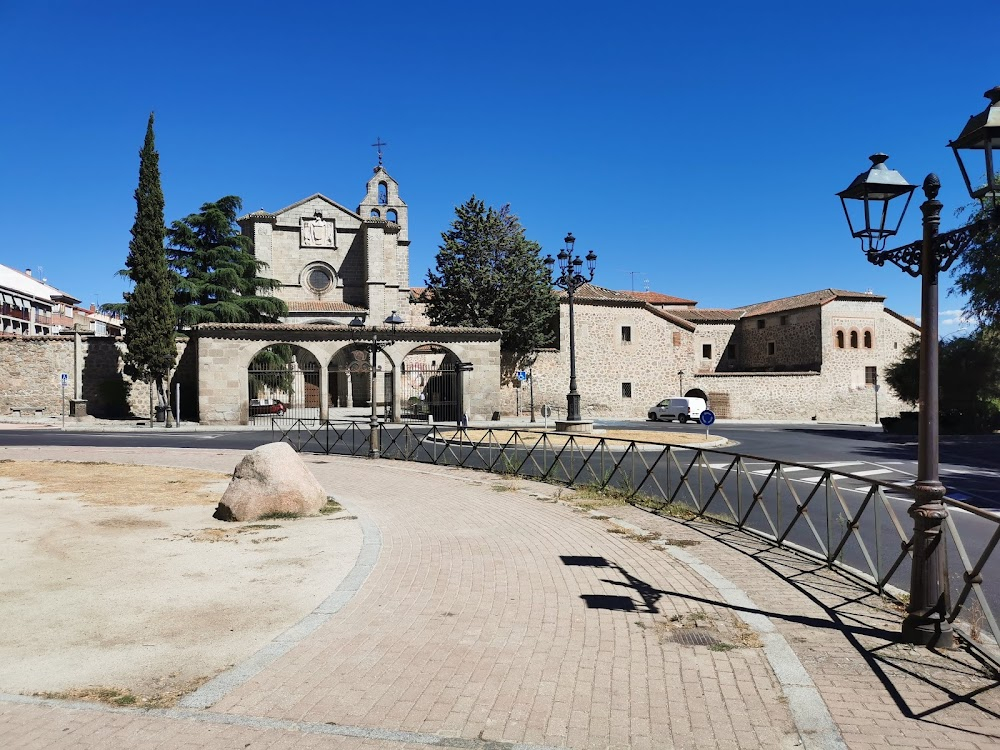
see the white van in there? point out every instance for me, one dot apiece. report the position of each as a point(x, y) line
point(681, 409)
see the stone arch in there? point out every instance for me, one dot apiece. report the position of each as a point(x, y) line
point(392, 216)
point(430, 384)
point(854, 338)
point(696, 393)
point(352, 382)
point(383, 193)
point(283, 379)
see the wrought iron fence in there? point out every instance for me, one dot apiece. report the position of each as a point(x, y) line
point(853, 523)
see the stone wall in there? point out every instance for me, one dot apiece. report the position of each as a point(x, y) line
point(32, 366)
point(604, 362)
point(224, 353)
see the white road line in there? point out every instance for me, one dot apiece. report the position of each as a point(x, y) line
point(872, 472)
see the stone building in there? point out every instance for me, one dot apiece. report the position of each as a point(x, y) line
point(815, 355)
point(811, 356)
point(336, 266)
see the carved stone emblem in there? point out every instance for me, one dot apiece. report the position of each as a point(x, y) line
point(318, 232)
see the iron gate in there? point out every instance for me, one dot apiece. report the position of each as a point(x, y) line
point(429, 392)
point(289, 391)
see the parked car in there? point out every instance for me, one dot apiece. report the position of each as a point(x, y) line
point(681, 409)
point(259, 407)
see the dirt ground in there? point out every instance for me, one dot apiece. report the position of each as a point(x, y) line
point(117, 584)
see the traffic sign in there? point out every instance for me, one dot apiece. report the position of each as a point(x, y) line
point(64, 379)
point(707, 418)
point(522, 375)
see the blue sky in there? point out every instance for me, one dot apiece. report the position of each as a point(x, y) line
point(697, 145)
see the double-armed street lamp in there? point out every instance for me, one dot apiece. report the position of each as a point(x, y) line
point(927, 621)
point(374, 345)
point(571, 278)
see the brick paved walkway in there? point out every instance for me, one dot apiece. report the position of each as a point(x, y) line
point(491, 614)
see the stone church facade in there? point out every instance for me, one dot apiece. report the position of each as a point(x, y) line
point(334, 266)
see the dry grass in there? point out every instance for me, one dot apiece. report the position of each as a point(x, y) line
point(155, 697)
point(120, 484)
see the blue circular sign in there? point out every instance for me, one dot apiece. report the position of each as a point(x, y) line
point(707, 417)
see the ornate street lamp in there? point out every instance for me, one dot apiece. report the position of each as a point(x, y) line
point(680, 383)
point(927, 621)
point(374, 345)
point(570, 278)
point(982, 133)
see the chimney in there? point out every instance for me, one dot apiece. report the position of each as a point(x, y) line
point(93, 307)
point(27, 272)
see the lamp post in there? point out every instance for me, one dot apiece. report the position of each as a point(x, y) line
point(927, 620)
point(359, 335)
point(570, 278)
point(680, 383)
point(875, 388)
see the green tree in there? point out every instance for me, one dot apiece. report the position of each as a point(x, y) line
point(489, 274)
point(148, 310)
point(215, 272)
point(978, 272)
point(969, 378)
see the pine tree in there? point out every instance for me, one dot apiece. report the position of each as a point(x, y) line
point(148, 310)
point(215, 271)
point(490, 275)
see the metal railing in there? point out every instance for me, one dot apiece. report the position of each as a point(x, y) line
point(853, 523)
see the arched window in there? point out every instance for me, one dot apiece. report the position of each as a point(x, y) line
point(390, 215)
point(868, 339)
point(383, 194)
point(854, 339)
point(375, 214)
point(840, 339)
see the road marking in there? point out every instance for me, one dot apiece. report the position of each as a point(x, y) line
point(872, 472)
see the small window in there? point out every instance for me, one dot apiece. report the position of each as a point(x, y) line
point(783, 320)
point(840, 339)
point(868, 339)
point(731, 351)
point(391, 215)
point(895, 344)
point(383, 194)
point(854, 339)
point(761, 323)
point(626, 390)
point(626, 334)
point(871, 375)
point(706, 351)
point(375, 214)
point(770, 348)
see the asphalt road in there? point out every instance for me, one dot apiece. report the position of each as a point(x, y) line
point(970, 465)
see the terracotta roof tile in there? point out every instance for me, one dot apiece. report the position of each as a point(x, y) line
point(655, 298)
point(708, 315)
point(322, 307)
point(810, 299)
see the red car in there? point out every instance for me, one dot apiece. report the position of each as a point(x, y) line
point(274, 407)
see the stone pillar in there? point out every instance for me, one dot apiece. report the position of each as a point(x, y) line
point(324, 392)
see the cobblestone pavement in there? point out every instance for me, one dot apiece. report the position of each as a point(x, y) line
point(490, 613)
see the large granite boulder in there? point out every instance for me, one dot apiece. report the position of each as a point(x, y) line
point(270, 479)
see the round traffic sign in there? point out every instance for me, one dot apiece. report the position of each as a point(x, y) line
point(707, 417)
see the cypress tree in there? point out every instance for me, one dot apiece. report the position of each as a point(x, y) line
point(148, 309)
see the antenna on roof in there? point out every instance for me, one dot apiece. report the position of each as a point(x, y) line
point(645, 285)
point(632, 275)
